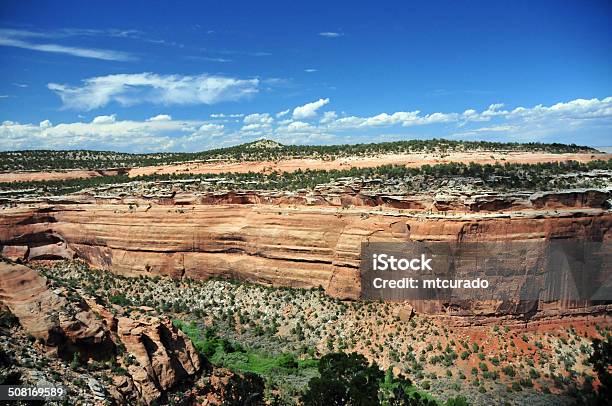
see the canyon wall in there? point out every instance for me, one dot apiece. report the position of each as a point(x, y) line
point(294, 246)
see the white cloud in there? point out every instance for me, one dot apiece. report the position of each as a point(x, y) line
point(257, 124)
point(71, 32)
point(578, 109)
point(520, 124)
point(258, 118)
point(308, 110)
point(282, 113)
point(109, 133)
point(328, 117)
point(491, 129)
point(210, 128)
point(17, 39)
point(221, 115)
point(298, 126)
point(583, 121)
point(208, 58)
point(331, 34)
point(130, 89)
point(160, 117)
point(104, 119)
point(310, 70)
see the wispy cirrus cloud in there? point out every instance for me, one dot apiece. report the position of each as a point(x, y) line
point(137, 88)
point(47, 41)
point(222, 115)
point(72, 32)
point(207, 58)
point(330, 34)
point(24, 39)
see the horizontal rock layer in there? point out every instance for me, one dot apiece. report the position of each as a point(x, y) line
point(346, 196)
point(296, 246)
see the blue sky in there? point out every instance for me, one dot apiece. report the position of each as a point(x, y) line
point(155, 76)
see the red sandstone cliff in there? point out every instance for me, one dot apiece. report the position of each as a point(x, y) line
point(298, 246)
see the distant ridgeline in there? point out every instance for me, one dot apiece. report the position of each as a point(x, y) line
point(498, 177)
point(257, 151)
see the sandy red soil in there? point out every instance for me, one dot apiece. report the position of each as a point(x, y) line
point(290, 165)
point(410, 160)
point(38, 176)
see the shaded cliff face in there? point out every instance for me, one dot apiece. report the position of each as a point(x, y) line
point(295, 246)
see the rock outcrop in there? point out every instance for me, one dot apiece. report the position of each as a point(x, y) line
point(157, 355)
point(163, 355)
point(62, 326)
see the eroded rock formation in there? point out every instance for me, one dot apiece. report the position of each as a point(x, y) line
point(157, 355)
point(163, 354)
point(62, 325)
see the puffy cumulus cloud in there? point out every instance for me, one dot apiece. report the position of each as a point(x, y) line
point(160, 117)
point(552, 123)
point(384, 119)
point(211, 128)
point(328, 117)
point(585, 121)
point(258, 118)
point(403, 118)
point(299, 132)
point(308, 110)
point(104, 119)
point(575, 110)
point(109, 133)
point(207, 135)
point(136, 88)
point(282, 113)
point(257, 124)
point(298, 126)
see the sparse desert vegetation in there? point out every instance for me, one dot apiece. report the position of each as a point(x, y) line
point(263, 150)
point(280, 345)
point(281, 334)
point(383, 179)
